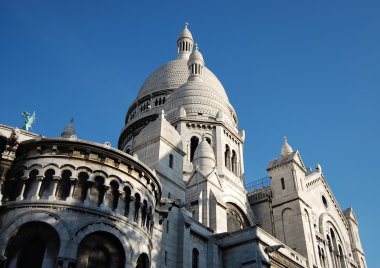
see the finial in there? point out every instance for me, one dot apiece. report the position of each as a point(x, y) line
point(186, 24)
point(196, 46)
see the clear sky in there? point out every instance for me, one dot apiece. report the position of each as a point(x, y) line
point(305, 69)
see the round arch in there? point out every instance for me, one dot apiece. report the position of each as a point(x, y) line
point(100, 249)
point(38, 216)
point(236, 218)
point(91, 227)
point(33, 244)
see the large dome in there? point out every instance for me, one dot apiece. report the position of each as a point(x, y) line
point(174, 74)
point(199, 99)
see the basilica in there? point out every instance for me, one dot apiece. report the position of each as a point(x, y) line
point(172, 194)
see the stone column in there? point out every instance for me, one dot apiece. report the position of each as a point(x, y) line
point(121, 204)
point(53, 194)
point(70, 198)
point(107, 202)
point(139, 214)
point(39, 183)
point(21, 196)
point(132, 206)
point(88, 199)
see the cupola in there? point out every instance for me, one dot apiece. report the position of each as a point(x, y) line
point(185, 43)
point(286, 148)
point(196, 64)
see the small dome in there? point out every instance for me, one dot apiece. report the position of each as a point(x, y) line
point(286, 148)
point(185, 34)
point(204, 157)
point(196, 55)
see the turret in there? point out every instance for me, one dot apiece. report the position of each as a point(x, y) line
point(195, 65)
point(185, 43)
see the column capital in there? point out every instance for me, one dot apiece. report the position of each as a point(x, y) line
point(56, 178)
point(40, 177)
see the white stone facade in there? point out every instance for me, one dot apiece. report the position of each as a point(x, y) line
point(172, 195)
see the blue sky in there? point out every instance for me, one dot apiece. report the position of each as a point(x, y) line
point(305, 69)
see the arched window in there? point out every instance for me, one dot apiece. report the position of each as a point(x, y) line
point(127, 200)
point(195, 258)
point(171, 160)
point(234, 162)
point(193, 146)
point(80, 191)
point(47, 184)
point(64, 185)
point(227, 157)
point(137, 206)
point(143, 261)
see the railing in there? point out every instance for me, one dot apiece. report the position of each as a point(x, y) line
point(258, 184)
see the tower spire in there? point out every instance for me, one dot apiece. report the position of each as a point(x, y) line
point(185, 43)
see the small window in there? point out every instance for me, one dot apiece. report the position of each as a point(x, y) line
point(171, 158)
point(324, 201)
point(167, 226)
point(282, 183)
point(195, 258)
point(193, 146)
point(166, 257)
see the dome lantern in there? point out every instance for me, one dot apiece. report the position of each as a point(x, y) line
point(196, 64)
point(185, 43)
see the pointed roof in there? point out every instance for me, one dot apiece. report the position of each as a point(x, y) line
point(69, 130)
point(286, 148)
point(349, 214)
